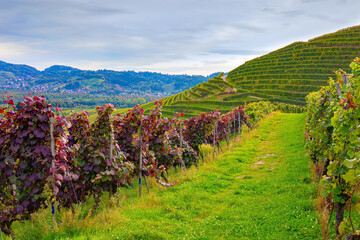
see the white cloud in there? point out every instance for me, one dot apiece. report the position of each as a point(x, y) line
point(198, 65)
point(10, 50)
point(182, 36)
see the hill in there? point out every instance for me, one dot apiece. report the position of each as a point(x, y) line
point(286, 75)
point(289, 74)
point(67, 79)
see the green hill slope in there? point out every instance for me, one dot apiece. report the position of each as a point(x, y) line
point(286, 75)
point(290, 73)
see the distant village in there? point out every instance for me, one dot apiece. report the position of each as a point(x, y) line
point(19, 83)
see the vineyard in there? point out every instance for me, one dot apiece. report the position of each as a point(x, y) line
point(259, 188)
point(283, 77)
point(214, 94)
point(73, 167)
point(332, 132)
point(48, 161)
point(299, 68)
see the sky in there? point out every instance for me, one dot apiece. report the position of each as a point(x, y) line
point(168, 36)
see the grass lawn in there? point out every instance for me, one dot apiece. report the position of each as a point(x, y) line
point(261, 189)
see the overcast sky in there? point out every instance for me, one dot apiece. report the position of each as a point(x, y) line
point(170, 36)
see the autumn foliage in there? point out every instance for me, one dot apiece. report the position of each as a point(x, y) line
point(91, 159)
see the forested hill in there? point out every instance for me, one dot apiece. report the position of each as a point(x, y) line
point(72, 80)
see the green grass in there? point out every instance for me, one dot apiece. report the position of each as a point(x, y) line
point(91, 111)
point(234, 197)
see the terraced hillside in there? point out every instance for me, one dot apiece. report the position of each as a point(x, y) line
point(286, 75)
point(289, 74)
point(204, 97)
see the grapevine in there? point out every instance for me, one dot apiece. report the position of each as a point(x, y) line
point(91, 159)
point(333, 138)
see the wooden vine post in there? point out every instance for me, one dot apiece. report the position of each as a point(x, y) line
point(339, 217)
point(228, 135)
point(147, 186)
point(239, 119)
point(214, 143)
point(338, 89)
point(111, 157)
point(140, 160)
point(181, 138)
point(181, 141)
point(52, 146)
point(345, 78)
point(234, 128)
point(329, 93)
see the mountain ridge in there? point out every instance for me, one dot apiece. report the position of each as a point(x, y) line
point(61, 78)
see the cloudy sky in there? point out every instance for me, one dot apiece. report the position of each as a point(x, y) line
point(170, 36)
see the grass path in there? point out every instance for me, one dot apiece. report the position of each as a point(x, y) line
point(262, 189)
